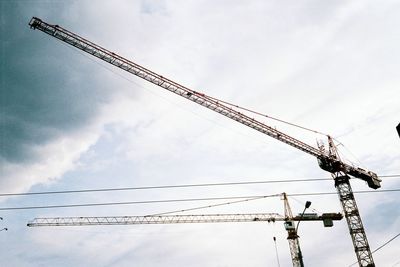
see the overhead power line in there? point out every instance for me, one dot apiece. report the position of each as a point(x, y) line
point(131, 202)
point(387, 242)
point(164, 187)
point(214, 205)
point(334, 193)
point(180, 200)
point(380, 247)
point(177, 186)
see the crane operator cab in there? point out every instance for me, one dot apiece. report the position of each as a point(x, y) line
point(289, 225)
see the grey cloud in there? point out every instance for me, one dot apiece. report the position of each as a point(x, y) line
point(46, 91)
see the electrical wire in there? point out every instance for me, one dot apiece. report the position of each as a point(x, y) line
point(180, 200)
point(128, 203)
point(380, 247)
point(164, 187)
point(176, 186)
point(355, 192)
point(387, 242)
point(396, 264)
point(214, 205)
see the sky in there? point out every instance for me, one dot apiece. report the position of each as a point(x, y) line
point(71, 122)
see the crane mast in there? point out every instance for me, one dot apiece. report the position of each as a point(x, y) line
point(327, 161)
point(293, 238)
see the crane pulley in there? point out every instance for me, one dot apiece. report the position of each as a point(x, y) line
point(328, 159)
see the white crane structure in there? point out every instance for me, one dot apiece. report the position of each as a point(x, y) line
point(288, 219)
point(328, 158)
point(173, 219)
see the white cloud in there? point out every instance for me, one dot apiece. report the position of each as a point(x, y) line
point(58, 157)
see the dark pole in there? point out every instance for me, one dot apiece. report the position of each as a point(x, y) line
point(308, 204)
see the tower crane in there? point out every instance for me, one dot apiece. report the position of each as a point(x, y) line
point(328, 159)
point(288, 219)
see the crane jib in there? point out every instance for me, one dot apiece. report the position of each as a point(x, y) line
point(169, 219)
point(325, 162)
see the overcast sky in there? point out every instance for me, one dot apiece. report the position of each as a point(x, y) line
point(69, 121)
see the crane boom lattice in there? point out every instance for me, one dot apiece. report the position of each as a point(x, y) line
point(165, 219)
point(169, 219)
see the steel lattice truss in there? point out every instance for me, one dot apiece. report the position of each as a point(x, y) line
point(295, 251)
point(169, 219)
point(354, 222)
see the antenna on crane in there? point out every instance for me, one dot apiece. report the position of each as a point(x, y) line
point(328, 160)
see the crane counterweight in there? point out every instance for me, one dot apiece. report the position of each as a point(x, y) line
point(333, 166)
